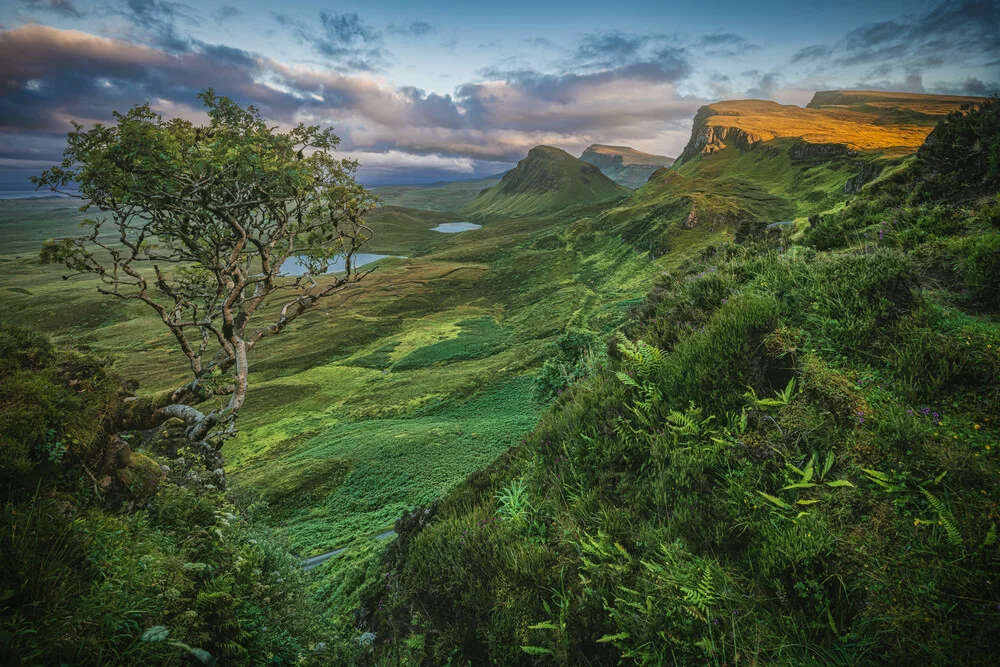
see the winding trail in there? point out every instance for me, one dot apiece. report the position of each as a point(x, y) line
point(316, 561)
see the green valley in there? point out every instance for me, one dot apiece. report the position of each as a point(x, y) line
point(745, 412)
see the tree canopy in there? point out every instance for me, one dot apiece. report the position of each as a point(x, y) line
point(201, 223)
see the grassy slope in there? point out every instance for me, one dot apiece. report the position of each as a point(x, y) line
point(359, 411)
point(792, 169)
point(435, 196)
point(678, 508)
point(546, 181)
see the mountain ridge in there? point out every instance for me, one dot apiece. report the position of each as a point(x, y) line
point(546, 180)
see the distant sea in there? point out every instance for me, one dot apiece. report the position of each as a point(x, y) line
point(30, 194)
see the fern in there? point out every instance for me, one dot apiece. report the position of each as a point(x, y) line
point(991, 536)
point(781, 398)
point(642, 359)
point(703, 596)
point(946, 517)
point(882, 480)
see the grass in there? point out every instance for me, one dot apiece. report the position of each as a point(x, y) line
point(376, 378)
point(654, 494)
point(435, 196)
point(790, 457)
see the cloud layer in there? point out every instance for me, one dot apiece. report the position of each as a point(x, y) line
point(52, 76)
point(607, 86)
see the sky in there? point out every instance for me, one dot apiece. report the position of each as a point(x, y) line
point(425, 91)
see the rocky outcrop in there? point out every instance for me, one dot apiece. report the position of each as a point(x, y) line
point(804, 150)
point(869, 172)
point(707, 138)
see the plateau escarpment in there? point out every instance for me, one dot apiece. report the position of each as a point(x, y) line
point(894, 123)
point(625, 165)
point(753, 162)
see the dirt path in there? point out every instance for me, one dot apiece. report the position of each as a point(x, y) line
point(316, 561)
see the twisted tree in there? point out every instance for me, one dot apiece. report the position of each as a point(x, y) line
point(204, 224)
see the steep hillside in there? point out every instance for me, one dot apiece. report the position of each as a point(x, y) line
point(547, 180)
point(623, 164)
point(752, 162)
point(790, 458)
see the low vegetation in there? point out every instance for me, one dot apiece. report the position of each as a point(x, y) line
point(144, 564)
point(620, 428)
point(789, 458)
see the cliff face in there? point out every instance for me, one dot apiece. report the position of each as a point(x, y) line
point(707, 138)
point(842, 122)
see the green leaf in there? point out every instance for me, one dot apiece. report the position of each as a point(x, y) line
point(777, 501)
point(801, 514)
point(536, 650)
point(806, 502)
point(798, 471)
point(157, 633)
point(876, 474)
point(612, 638)
point(810, 469)
point(827, 465)
point(839, 482)
point(202, 655)
point(544, 625)
point(799, 485)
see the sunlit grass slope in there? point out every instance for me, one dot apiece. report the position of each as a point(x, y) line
point(754, 162)
point(859, 120)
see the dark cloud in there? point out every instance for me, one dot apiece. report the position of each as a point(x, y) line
point(157, 20)
point(53, 76)
point(227, 13)
point(345, 40)
point(765, 85)
point(605, 50)
point(411, 29)
point(813, 52)
point(725, 45)
point(971, 86)
point(61, 7)
point(957, 33)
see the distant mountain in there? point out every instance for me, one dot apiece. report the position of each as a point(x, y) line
point(547, 180)
point(625, 165)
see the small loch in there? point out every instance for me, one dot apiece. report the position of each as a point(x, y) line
point(455, 227)
point(294, 266)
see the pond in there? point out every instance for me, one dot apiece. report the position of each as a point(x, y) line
point(455, 227)
point(293, 266)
